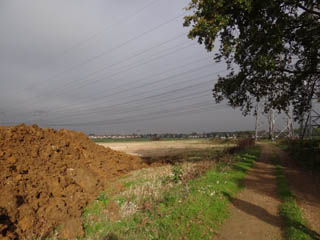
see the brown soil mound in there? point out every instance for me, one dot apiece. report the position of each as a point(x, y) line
point(47, 177)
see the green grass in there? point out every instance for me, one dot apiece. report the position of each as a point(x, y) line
point(296, 228)
point(131, 183)
point(192, 210)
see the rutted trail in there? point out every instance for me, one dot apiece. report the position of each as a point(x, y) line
point(254, 211)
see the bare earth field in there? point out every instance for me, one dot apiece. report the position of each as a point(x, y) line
point(158, 148)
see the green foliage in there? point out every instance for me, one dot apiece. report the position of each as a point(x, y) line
point(273, 44)
point(177, 173)
point(128, 184)
point(102, 197)
point(121, 200)
point(305, 152)
point(93, 209)
point(295, 224)
point(316, 132)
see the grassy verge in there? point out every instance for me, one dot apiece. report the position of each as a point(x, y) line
point(172, 205)
point(289, 210)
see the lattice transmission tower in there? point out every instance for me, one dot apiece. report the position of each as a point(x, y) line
point(311, 120)
point(273, 124)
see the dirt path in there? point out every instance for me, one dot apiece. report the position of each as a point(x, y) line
point(254, 212)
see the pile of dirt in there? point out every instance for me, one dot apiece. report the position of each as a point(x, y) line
point(47, 177)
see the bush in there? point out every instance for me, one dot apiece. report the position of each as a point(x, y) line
point(244, 143)
point(241, 145)
point(306, 153)
point(156, 138)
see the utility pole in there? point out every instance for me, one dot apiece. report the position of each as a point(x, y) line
point(290, 125)
point(310, 123)
point(271, 122)
point(257, 121)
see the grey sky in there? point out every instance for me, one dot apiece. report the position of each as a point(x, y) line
point(107, 66)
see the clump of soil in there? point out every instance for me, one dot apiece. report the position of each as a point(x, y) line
point(47, 177)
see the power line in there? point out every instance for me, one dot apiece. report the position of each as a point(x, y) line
point(88, 82)
point(175, 113)
point(127, 85)
point(159, 99)
point(146, 105)
point(162, 111)
point(104, 53)
point(126, 59)
point(34, 100)
point(82, 110)
point(162, 102)
point(162, 98)
point(179, 75)
point(111, 110)
point(151, 84)
point(85, 78)
point(95, 109)
point(124, 20)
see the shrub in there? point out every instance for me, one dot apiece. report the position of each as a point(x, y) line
point(241, 145)
point(306, 153)
point(244, 143)
point(155, 138)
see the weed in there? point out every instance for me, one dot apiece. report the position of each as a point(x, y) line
point(93, 210)
point(102, 197)
point(133, 182)
point(129, 184)
point(122, 200)
point(177, 173)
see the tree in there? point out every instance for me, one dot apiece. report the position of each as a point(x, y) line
point(271, 48)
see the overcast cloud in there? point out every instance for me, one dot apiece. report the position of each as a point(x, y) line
point(107, 67)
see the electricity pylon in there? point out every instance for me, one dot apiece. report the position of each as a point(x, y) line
point(273, 124)
point(310, 121)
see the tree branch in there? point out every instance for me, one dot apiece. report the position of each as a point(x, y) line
point(295, 71)
point(308, 10)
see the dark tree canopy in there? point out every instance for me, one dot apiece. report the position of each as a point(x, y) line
point(274, 45)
